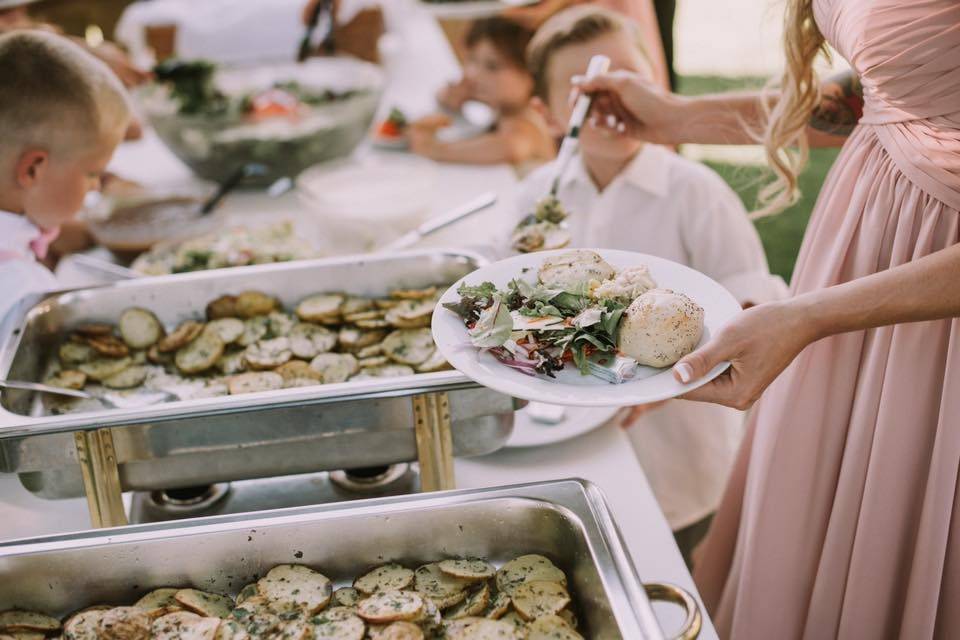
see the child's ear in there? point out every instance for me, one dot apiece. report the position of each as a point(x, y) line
point(553, 127)
point(30, 167)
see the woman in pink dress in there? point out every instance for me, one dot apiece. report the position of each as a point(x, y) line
point(842, 516)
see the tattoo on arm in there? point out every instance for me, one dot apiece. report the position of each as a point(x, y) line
point(841, 105)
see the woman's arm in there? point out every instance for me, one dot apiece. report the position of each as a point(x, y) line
point(762, 341)
point(726, 118)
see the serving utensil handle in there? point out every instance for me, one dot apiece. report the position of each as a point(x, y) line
point(665, 592)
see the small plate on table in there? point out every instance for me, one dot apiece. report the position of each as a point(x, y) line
point(570, 387)
point(540, 424)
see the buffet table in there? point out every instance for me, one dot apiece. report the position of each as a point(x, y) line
point(603, 456)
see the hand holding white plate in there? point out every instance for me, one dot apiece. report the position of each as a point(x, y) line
point(570, 386)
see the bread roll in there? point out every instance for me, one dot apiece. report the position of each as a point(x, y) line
point(660, 327)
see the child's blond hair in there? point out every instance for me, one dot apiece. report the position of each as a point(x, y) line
point(576, 25)
point(55, 95)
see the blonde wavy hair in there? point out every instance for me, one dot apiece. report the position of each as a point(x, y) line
point(784, 138)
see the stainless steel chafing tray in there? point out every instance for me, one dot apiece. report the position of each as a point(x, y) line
point(567, 521)
point(183, 443)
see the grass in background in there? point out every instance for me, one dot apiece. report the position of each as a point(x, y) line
point(783, 233)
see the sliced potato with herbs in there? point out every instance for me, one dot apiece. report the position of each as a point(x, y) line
point(254, 303)
point(309, 340)
point(22, 635)
point(372, 361)
point(140, 328)
point(346, 597)
point(551, 627)
point(253, 382)
point(469, 568)
point(409, 346)
point(375, 323)
point(443, 589)
point(390, 606)
point(232, 363)
point(475, 604)
point(354, 339)
point(435, 362)
point(354, 304)
point(385, 371)
point(228, 330)
point(369, 352)
point(298, 585)
point(18, 620)
point(109, 346)
point(386, 577)
point(76, 352)
point(212, 605)
point(411, 314)
point(280, 324)
point(199, 355)
point(222, 307)
point(335, 367)
point(482, 629)
point(337, 623)
point(84, 625)
point(298, 369)
point(254, 330)
point(569, 618)
point(94, 329)
point(247, 592)
point(156, 357)
point(159, 602)
point(180, 337)
point(414, 294)
point(498, 607)
point(372, 314)
point(536, 598)
point(102, 368)
point(67, 379)
point(528, 568)
point(268, 354)
point(183, 625)
point(402, 630)
point(129, 378)
point(324, 308)
point(125, 623)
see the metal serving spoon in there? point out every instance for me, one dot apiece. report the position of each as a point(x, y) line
point(111, 400)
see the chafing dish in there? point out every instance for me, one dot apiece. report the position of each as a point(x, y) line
point(567, 521)
point(184, 443)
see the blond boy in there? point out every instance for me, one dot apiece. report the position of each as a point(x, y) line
point(62, 114)
point(624, 194)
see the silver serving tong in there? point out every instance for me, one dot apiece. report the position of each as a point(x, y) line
point(112, 401)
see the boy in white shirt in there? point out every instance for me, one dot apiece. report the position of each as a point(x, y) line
point(623, 194)
point(62, 114)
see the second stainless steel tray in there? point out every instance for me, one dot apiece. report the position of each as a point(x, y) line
point(568, 521)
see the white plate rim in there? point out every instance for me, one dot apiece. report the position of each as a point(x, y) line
point(450, 335)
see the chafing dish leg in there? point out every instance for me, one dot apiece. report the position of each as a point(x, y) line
point(431, 415)
point(101, 477)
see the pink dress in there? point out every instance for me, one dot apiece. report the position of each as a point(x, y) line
point(842, 516)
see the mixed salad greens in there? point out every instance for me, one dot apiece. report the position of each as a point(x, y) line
point(193, 87)
point(537, 329)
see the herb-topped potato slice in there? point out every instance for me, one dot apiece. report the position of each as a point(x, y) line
point(212, 605)
point(337, 623)
point(307, 340)
point(528, 568)
point(181, 336)
point(67, 379)
point(322, 308)
point(390, 606)
point(183, 625)
point(297, 585)
point(254, 303)
point(125, 623)
point(201, 354)
point(551, 627)
point(443, 589)
point(536, 598)
point(140, 328)
point(409, 346)
point(386, 577)
point(102, 368)
point(127, 379)
point(268, 354)
point(15, 620)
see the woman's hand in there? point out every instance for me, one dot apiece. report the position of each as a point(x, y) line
point(759, 344)
point(625, 101)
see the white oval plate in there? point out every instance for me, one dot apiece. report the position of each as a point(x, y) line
point(528, 432)
point(570, 387)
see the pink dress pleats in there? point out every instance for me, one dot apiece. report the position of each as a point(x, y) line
point(842, 515)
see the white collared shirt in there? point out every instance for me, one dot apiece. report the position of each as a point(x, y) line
point(20, 273)
point(674, 208)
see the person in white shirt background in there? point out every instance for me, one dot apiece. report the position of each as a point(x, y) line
point(624, 194)
point(62, 114)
